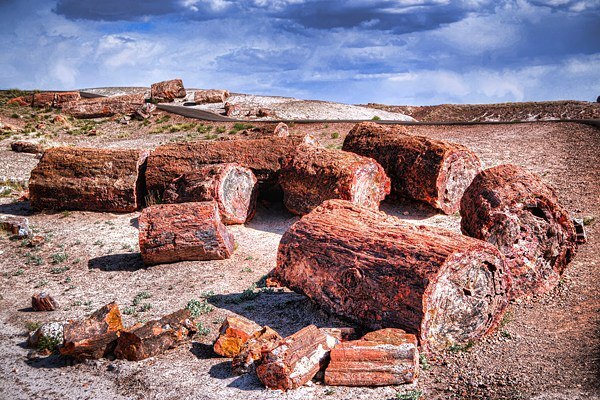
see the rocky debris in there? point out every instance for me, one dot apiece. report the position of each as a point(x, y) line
point(424, 169)
point(233, 188)
point(342, 334)
point(95, 336)
point(261, 341)
point(43, 302)
point(296, 359)
point(211, 96)
point(265, 112)
point(68, 178)
point(380, 272)
point(317, 174)
point(47, 336)
point(15, 225)
point(233, 110)
point(517, 212)
point(60, 119)
point(275, 130)
point(155, 337)
point(22, 101)
point(167, 91)
point(580, 235)
point(281, 130)
point(233, 334)
point(22, 146)
point(183, 232)
point(100, 107)
point(144, 111)
point(385, 359)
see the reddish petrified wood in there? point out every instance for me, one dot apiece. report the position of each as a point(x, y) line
point(233, 188)
point(296, 359)
point(183, 232)
point(54, 99)
point(516, 211)
point(22, 101)
point(316, 174)
point(234, 332)
point(43, 302)
point(93, 337)
point(22, 146)
point(278, 130)
point(167, 90)
point(392, 360)
point(341, 334)
point(261, 341)
point(99, 107)
point(382, 272)
point(210, 96)
point(155, 337)
point(424, 169)
point(68, 178)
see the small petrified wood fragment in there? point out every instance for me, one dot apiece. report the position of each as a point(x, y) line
point(424, 169)
point(15, 225)
point(167, 90)
point(382, 272)
point(68, 178)
point(233, 188)
point(316, 174)
point(99, 107)
point(183, 232)
point(343, 334)
point(261, 341)
point(23, 146)
point(208, 96)
point(155, 337)
point(95, 336)
point(43, 302)
point(296, 359)
point(516, 211)
point(234, 332)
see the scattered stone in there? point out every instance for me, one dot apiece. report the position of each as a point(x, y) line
point(144, 111)
point(36, 241)
point(167, 91)
point(22, 146)
point(15, 225)
point(101, 107)
point(22, 101)
point(49, 335)
point(233, 334)
point(43, 302)
point(341, 334)
point(40, 126)
point(62, 120)
point(210, 96)
point(579, 225)
point(233, 110)
point(264, 112)
point(281, 130)
point(261, 341)
point(125, 120)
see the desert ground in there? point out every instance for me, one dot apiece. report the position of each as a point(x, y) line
point(547, 347)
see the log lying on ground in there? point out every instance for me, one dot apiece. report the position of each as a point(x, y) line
point(46, 99)
point(234, 332)
point(68, 178)
point(233, 188)
point(183, 232)
point(43, 302)
point(261, 341)
point(210, 96)
point(392, 359)
point(100, 107)
point(296, 359)
point(516, 211)
point(93, 337)
point(317, 174)
point(23, 146)
point(424, 169)
point(278, 130)
point(381, 272)
point(155, 337)
point(167, 90)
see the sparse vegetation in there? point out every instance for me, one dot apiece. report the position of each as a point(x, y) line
point(220, 129)
point(199, 307)
point(588, 220)
point(141, 296)
point(48, 343)
point(376, 118)
point(455, 348)
point(410, 395)
point(59, 270)
point(58, 258)
point(162, 119)
point(32, 326)
point(335, 135)
point(425, 366)
point(202, 330)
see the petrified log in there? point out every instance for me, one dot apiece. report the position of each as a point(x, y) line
point(317, 174)
point(15, 225)
point(341, 334)
point(22, 101)
point(261, 341)
point(99, 107)
point(68, 178)
point(234, 332)
point(516, 211)
point(278, 130)
point(43, 302)
point(167, 90)
point(93, 337)
point(210, 96)
point(22, 146)
point(296, 359)
point(382, 272)
point(393, 360)
point(48, 334)
point(155, 337)
point(424, 169)
point(233, 188)
point(183, 232)
point(54, 99)
point(233, 110)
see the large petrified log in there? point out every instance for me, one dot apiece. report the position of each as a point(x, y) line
point(167, 90)
point(389, 358)
point(424, 169)
point(316, 174)
point(46, 99)
point(183, 232)
point(261, 341)
point(155, 337)
point(382, 272)
point(233, 188)
point(516, 211)
point(43, 302)
point(99, 107)
point(208, 96)
point(24, 146)
point(296, 359)
point(234, 332)
point(95, 336)
point(68, 178)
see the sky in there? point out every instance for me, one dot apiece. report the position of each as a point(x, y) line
point(416, 52)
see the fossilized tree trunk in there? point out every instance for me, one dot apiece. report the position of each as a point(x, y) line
point(516, 211)
point(424, 169)
point(382, 272)
point(43, 302)
point(261, 341)
point(167, 90)
point(211, 96)
point(234, 332)
point(99, 107)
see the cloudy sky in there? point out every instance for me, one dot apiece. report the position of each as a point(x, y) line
point(354, 51)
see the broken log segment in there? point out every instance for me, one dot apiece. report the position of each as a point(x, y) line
point(183, 232)
point(233, 188)
point(316, 174)
point(516, 211)
point(43, 302)
point(208, 96)
point(68, 178)
point(54, 99)
point(394, 360)
point(296, 359)
point(261, 341)
point(382, 272)
point(155, 337)
point(100, 107)
point(234, 332)
point(420, 168)
point(167, 90)
point(95, 336)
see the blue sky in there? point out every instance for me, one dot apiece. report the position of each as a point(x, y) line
point(396, 52)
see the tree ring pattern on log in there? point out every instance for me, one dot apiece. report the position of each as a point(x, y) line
point(459, 173)
point(238, 193)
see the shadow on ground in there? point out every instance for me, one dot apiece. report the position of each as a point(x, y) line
point(408, 209)
point(20, 208)
point(117, 262)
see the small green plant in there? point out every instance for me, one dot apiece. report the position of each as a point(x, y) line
point(198, 307)
point(587, 220)
point(41, 283)
point(59, 270)
point(249, 294)
point(247, 269)
point(410, 395)
point(58, 258)
point(162, 119)
point(376, 118)
point(455, 348)
point(19, 272)
point(505, 334)
point(137, 300)
point(14, 115)
point(32, 326)
point(506, 318)
point(145, 307)
point(129, 310)
point(240, 126)
point(329, 392)
point(210, 137)
point(424, 362)
point(335, 135)
point(202, 330)
point(204, 128)
point(49, 343)
point(220, 129)
point(99, 243)
point(65, 214)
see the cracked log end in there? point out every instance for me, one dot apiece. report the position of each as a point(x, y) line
point(234, 332)
point(167, 90)
point(516, 211)
point(249, 356)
